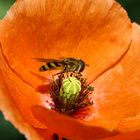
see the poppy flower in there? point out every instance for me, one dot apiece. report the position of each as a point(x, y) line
point(94, 31)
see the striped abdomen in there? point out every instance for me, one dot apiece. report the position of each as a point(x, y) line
point(51, 66)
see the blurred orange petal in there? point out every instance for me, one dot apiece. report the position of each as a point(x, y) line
point(126, 136)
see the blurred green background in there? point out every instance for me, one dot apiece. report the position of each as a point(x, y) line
point(7, 131)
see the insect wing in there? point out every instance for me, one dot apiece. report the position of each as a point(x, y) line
point(46, 60)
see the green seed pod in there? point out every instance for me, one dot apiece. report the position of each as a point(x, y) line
point(70, 87)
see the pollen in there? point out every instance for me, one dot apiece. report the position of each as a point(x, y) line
point(70, 93)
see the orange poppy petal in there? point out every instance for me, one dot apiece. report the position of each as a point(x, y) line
point(90, 30)
point(13, 115)
point(82, 29)
point(116, 100)
point(69, 127)
point(126, 136)
point(22, 94)
point(13, 97)
point(117, 92)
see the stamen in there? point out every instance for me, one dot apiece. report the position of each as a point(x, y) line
point(70, 93)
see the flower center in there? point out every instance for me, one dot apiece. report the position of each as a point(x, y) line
point(70, 88)
point(70, 93)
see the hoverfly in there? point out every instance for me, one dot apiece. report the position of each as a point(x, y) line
point(65, 64)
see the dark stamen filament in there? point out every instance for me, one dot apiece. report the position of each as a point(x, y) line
point(74, 103)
